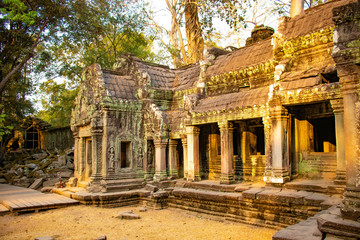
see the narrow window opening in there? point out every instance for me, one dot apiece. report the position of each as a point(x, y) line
point(125, 154)
point(330, 77)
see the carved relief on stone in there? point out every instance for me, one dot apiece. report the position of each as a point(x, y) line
point(112, 161)
point(190, 101)
point(140, 158)
point(150, 155)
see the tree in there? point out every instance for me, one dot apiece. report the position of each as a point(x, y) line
point(58, 101)
point(193, 31)
point(199, 16)
point(120, 28)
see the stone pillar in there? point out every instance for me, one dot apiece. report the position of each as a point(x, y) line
point(88, 158)
point(338, 107)
point(193, 153)
point(297, 8)
point(185, 154)
point(347, 58)
point(267, 135)
point(81, 158)
point(172, 159)
point(227, 152)
point(76, 155)
point(279, 145)
point(96, 154)
point(268, 158)
point(160, 159)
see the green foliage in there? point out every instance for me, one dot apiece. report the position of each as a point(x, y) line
point(16, 10)
point(307, 167)
point(4, 129)
point(232, 12)
point(58, 100)
point(48, 39)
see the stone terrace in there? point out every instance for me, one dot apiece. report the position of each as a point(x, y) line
point(247, 203)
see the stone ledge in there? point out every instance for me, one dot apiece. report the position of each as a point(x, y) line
point(333, 223)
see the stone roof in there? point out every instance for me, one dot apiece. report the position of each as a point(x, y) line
point(186, 77)
point(160, 76)
point(301, 83)
point(119, 87)
point(313, 19)
point(253, 54)
point(243, 99)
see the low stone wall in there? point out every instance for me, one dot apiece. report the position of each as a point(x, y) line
point(271, 207)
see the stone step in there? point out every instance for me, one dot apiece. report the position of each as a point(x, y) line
point(122, 187)
point(124, 182)
point(210, 186)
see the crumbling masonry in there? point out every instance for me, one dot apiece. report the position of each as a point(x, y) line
point(282, 106)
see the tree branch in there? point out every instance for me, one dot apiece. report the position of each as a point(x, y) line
point(22, 63)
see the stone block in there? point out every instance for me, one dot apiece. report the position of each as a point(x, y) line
point(315, 199)
point(67, 174)
point(37, 183)
point(251, 193)
point(101, 238)
point(50, 182)
point(72, 182)
point(151, 188)
point(143, 209)
point(46, 189)
point(128, 215)
point(44, 238)
point(336, 225)
point(39, 156)
point(241, 188)
point(268, 194)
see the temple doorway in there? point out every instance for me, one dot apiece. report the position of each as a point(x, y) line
point(313, 140)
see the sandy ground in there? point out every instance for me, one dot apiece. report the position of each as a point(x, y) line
point(89, 222)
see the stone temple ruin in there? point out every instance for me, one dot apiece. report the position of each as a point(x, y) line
point(285, 105)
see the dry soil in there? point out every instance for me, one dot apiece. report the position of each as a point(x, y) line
point(89, 222)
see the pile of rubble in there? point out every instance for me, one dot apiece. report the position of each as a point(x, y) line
point(36, 168)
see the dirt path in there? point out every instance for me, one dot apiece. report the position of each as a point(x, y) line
point(88, 222)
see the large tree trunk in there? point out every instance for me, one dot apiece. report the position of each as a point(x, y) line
point(193, 31)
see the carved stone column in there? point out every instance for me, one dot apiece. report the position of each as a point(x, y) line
point(88, 159)
point(185, 154)
point(81, 158)
point(279, 145)
point(160, 159)
point(193, 153)
point(172, 159)
point(338, 107)
point(268, 158)
point(96, 154)
point(227, 152)
point(76, 155)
